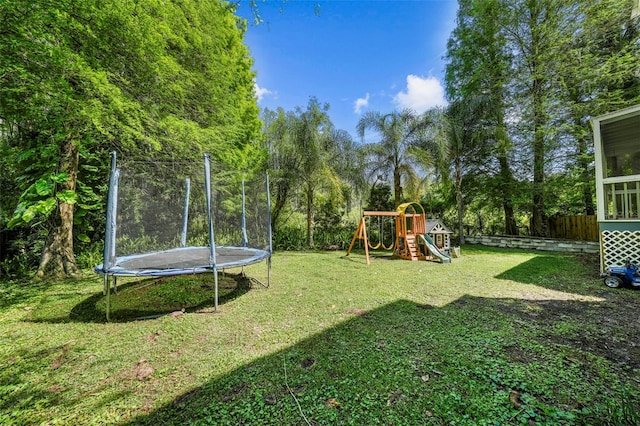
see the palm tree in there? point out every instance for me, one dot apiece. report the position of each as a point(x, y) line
point(322, 151)
point(403, 149)
point(460, 126)
point(308, 155)
point(284, 163)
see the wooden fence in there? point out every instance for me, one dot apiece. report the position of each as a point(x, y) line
point(583, 227)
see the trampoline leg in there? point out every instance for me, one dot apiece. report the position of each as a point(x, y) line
point(109, 302)
point(215, 280)
point(105, 285)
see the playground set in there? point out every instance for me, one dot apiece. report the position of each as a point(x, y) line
point(416, 238)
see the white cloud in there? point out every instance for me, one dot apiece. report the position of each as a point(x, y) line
point(421, 94)
point(261, 91)
point(361, 103)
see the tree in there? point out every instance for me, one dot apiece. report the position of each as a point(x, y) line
point(51, 102)
point(564, 63)
point(534, 39)
point(460, 125)
point(82, 78)
point(402, 149)
point(379, 198)
point(317, 145)
point(349, 164)
point(284, 161)
point(478, 66)
point(599, 74)
point(309, 155)
point(547, 66)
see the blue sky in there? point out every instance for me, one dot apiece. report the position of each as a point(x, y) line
point(356, 55)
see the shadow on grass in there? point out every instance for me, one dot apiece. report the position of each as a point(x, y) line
point(153, 297)
point(406, 363)
point(15, 395)
point(18, 396)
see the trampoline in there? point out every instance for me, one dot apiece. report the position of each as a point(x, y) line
point(187, 260)
point(154, 216)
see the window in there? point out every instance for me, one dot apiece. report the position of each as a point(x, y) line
point(621, 147)
point(622, 200)
point(617, 162)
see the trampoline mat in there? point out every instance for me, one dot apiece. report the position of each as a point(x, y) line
point(187, 259)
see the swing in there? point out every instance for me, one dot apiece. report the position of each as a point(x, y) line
point(361, 233)
point(381, 234)
point(377, 246)
point(393, 242)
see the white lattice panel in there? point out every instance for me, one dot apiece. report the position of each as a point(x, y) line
point(620, 246)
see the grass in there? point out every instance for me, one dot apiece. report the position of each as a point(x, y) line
point(497, 337)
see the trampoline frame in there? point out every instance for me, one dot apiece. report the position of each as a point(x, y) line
point(213, 259)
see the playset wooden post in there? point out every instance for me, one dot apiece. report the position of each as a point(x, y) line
point(361, 234)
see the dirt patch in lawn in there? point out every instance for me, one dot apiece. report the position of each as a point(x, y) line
point(609, 328)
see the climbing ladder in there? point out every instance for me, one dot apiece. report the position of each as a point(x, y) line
point(412, 248)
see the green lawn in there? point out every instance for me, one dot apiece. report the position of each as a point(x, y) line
point(496, 337)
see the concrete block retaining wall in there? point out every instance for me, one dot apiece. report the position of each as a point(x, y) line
point(544, 244)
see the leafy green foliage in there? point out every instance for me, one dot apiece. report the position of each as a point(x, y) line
point(548, 66)
point(380, 198)
point(82, 79)
point(309, 157)
point(40, 199)
point(404, 146)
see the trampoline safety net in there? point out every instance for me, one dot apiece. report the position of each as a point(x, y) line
point(167, 218)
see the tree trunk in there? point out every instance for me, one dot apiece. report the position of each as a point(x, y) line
point(586, 174)
point(506, 177)
point(397, 187)
point(57, 256)
point(459, 200)
point(511, 227)
point(587, 194)
point(537, 216)
point(537, 93)
point(310, 218)
point(281, 198)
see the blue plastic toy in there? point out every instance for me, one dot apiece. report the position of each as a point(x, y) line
point(617, 276)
